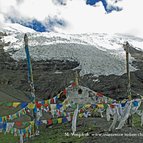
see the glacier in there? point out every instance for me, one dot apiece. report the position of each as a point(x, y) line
point(97, 53)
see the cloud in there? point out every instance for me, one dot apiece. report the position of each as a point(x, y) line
point(108, 6)
point(60, 2)
point(44, 26)
point(77, 16)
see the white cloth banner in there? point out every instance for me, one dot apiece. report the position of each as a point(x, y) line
point(74, 120)
point(9, 126)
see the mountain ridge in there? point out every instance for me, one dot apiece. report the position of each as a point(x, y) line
point(97, 53)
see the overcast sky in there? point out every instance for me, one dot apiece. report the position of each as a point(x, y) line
point(80, 17)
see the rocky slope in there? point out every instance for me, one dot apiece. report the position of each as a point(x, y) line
point(52, 76)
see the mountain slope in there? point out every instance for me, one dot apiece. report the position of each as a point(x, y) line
point(99, 54)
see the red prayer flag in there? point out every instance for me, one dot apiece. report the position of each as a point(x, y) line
point(46, 105)
point(38, 105)
point(18, 123)
point(99, 94)
point(52, 101)
point(112, 105)
point(64, 92)
point(50, 122)
point(73, 84)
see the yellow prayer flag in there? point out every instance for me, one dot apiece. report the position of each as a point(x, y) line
point(27, 133)
point(87, 105)
point(80, 115)
point(95, 110)
point(14, 116)
point(65, 102)
point(32, 123)
point(46, 102)
point(27, 129)
point(100, 105)
point(64, 107)
point(15, 104)
point(31, 106)
point(59, 120)
point(4, 118)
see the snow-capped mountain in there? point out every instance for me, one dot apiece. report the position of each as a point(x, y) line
point(97, 53)
point(14, 28)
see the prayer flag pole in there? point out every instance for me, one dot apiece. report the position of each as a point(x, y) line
point(128, 70)
point(30, 79)
point(30, 75)
point(126, 47)
point(76, 78)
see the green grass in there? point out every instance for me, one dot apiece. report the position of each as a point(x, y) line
point(56, 133)
point(8, 138)
point(136, 120)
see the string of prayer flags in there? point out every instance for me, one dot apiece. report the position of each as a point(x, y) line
point(56, 109)
point(10, 104)
point(60, 120)
point(13, 116)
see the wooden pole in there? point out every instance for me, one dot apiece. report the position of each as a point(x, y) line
point(126, 46)
point(76, 78)
point(30, 80)
point(128, 71)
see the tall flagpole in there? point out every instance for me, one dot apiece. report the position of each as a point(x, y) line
point(30, 78)
point(128, 70)
point(126, 46)
point(76, 78)
point(30, 75)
